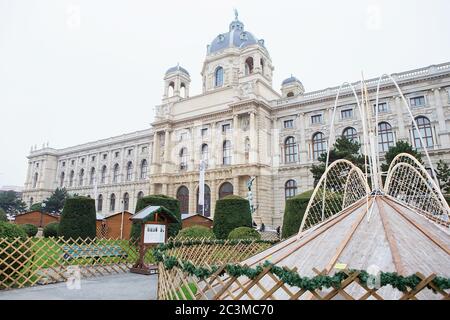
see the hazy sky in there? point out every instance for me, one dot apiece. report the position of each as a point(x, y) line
point(73, 71)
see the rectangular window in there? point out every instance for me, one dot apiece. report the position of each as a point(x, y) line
point(129, 151)
point(104, 156)
point(73, 162)
point(417, 101)
point(347, 114)
point(183, 136)
point(316, 119)
point(93, 158)
point(82, 160)
point(382, 107)
point(226, 128)
point(144, 149)
point(64, 164)
point(116, 154)
point(204, 132)
point(288, 124)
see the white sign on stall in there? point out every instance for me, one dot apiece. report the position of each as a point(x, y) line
point(154, 233)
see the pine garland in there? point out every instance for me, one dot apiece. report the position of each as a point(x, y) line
point(284, 274)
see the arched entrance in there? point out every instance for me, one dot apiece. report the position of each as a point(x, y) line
point(183, 197)
point(207, 202)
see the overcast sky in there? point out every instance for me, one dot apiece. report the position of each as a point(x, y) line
point(73, 71)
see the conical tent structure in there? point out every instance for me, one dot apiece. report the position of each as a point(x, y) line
point(389, 232)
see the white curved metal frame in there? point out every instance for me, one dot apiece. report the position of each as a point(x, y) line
point(411, 116)
point(341, 185)
point(409, 183)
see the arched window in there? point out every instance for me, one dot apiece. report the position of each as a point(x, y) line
point(126, 201)
point(103, 175)
point(171, 89)
point(247, 148)
point(183, 90)
point(290, 150)
point(112, 202)
point(61, 179)
point(319, 145)
point(144, 168)
point(290, 189)
point(204, 155)
point(350, 133)
point(249, 66)
point(424, 125)
point(100, 203)
point(290, 94)
point(183, 159)
point(385, 136)
point(140, 195)
point(35, 179)
point(81, 178)
point(218, 77)
point(116, 173)
point(92, 176)
point(183, 197)
point(227, 152)
point(71, 176)
point(207, 202)
point(262, 66)
point(225, 189)
point(129, 171)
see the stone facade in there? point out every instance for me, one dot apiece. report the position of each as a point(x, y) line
point(242, 127)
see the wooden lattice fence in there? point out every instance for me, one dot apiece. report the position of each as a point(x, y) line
point(179, 281)
point(30, 261)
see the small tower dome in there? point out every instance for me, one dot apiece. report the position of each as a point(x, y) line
point(177, 82)
point(291, 87)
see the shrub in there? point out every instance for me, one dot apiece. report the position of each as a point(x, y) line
point(30, 229)
point(197, 232)
point(11, 256)
point(231, 212)
point(447, 198)
point(36, 206)
point(244, 233)
point(293, 213)
point(3, 216)
point(167, 202)
point(78, 218)
point(51, 230)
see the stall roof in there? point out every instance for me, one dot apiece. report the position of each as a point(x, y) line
point(147, 211)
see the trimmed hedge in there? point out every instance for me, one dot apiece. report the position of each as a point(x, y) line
point(167, 202)
point(195, 232)
point(78, 218)
point(30, 229)
point(51, 230)
point(3, 216)
point(293, 213)
point(11, 257)
point(244, 233)
point(231, 212)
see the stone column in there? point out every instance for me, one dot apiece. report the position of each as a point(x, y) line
point(236, 142)
point(276, 160)
point(155, 154)
point(167, 150)
point(213, 152)
point(403, 134)
point(236, 185)
point(303, 152)
point(253, 139)
point(442, 137)
point(194, 151)
point(192, 197)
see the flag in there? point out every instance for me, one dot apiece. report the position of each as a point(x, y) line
point(201, 187)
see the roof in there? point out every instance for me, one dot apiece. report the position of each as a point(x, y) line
point(185, 216)
point(236, 37)
point(148, 211)
point(33, 211)
point(101, 216)
point(177, 68)
point(291, 79)
point(393, 237)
